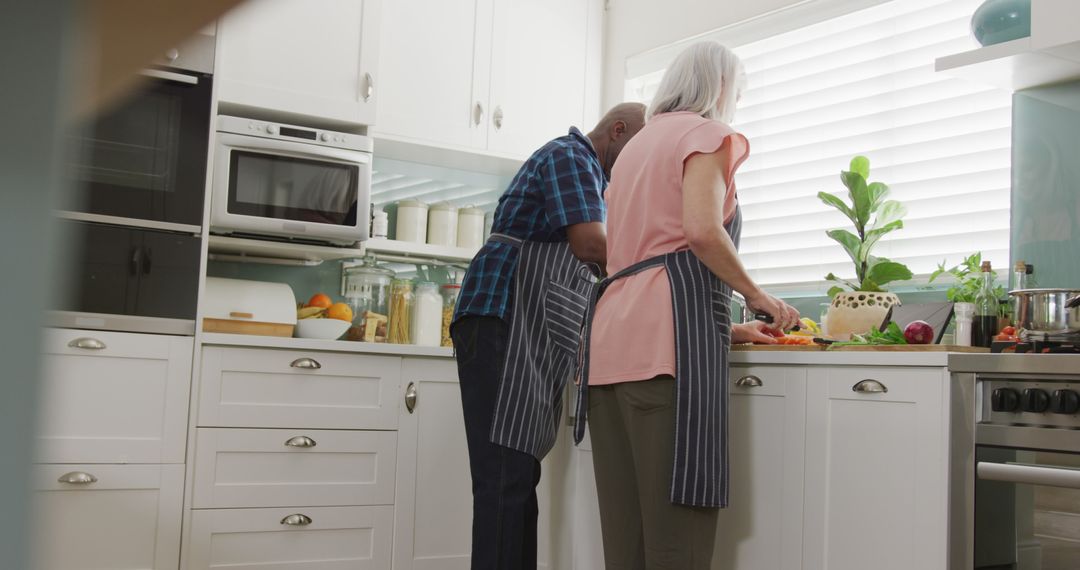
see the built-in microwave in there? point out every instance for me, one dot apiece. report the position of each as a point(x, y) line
point(289, 182)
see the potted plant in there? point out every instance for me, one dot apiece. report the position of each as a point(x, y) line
point(861, 305)
point(967, 280)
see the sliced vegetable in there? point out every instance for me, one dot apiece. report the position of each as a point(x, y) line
point(892, 335)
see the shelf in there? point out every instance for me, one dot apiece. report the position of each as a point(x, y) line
point(1010, 65)
point(281, 253)
point(224, 339)
point(380, 247)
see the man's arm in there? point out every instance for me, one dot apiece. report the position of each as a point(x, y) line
point(588, 241)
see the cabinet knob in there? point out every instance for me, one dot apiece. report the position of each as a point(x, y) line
point(300, 441)
point(410, 397)
point(306, 364)
point(749, 381)
point(87, 343)
point(296, 520)
point(369, 87)
point(497, 118)
point(869, 387)
point(478, 114)
point(77, 478)
point(172, 55)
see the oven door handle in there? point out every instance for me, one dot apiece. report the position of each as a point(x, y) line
point(1029, 474)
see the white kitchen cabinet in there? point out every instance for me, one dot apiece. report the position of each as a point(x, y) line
point(312, 60)
point(876, 490)
point(107, 516)
point(322, 538)
point(1053, 27)
point(435, 66)
point(508, 75)
point(111, 397)
point(762, 528)
point(268, 388)
point(279, 468)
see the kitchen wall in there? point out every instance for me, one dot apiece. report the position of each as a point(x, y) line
point(1046, 183)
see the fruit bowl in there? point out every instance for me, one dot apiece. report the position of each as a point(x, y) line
point(323, 329)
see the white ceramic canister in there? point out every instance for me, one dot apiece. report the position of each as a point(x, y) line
point(427, 315)
point(442, 225)
point(964, 314)
point(412, 221)
point(470, 233)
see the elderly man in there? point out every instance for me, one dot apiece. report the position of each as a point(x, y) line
point(517, 322)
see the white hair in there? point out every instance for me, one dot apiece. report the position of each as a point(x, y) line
point(706, 78)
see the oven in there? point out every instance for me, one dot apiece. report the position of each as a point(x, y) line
point(1024, 469)
point(288, 182)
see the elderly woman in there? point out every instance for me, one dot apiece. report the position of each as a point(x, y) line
point(656, 376)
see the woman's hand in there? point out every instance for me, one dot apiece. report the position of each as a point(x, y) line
point(784, 316)
point(756, 332)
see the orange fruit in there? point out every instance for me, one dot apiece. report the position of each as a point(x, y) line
point(340, 311)
point(321, 300)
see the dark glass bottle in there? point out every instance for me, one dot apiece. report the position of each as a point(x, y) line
point(985, 324)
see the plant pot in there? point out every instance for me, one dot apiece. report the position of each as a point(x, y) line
point(858, 312)
point(997, 21)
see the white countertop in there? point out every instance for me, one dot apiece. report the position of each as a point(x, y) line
point(224, 339)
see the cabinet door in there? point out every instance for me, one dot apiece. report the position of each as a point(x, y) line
point(281, 468)
point(103, 278)
point(114, 397)
point(320, 538)
point(306, 59)
point(127, 517)
point(762, 528)
point(434, 494)
point(1053, 27)
point(876, 469)
point(251, 387)
point(169, 283)
point(538, 83)
point(435, 62)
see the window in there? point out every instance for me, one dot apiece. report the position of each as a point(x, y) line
point(864, 83)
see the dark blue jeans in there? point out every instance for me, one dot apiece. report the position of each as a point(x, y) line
point(503, 480)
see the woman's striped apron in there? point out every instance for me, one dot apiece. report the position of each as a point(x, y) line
point(551, 295)
point(702, 314)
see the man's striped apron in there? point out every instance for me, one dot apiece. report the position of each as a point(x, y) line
point(551, 294)
point(702, 314)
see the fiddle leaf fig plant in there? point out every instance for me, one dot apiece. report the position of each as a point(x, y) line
point(873, 216)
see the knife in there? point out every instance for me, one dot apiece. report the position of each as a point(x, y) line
point(767, 319)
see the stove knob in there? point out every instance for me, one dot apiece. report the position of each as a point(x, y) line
point(1004, 400)
point(1036, 400)
point(1065, 402)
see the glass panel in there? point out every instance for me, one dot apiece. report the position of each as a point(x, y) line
point(1026, 527)
point(287, 188)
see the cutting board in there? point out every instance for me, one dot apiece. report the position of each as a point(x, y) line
point(776, 348)
point(912, 348)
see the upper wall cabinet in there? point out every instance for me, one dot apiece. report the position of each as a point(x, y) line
point(306, 62)
point(501, 76)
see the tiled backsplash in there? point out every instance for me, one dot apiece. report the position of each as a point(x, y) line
point(1046, 183)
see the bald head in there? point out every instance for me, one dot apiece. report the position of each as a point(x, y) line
point(614, 130)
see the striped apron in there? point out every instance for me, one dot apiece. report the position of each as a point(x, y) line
point(551, 295)
point(702, 314)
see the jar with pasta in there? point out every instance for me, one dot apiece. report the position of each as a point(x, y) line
point(401, 305)
point(450, 296)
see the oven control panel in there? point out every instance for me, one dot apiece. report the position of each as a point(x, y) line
point(1048, 403)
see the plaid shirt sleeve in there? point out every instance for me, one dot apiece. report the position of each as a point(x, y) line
point(573, 188)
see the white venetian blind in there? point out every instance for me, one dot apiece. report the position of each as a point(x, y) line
point(864, 83)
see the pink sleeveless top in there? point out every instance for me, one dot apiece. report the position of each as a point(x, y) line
point(633, 334)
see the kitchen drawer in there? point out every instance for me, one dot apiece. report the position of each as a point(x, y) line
point(903, 384)
point(128, 518)
point(120, 398)
point(265, 388)
point(284, 467)
point(333, 538)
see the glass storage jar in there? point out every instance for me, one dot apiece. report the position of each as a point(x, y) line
point(366, 288)
point(401, 306)
point(450, 295)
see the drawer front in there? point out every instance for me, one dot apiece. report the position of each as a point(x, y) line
point(900, 384)
point(114, 397)
point(333, 538)
point(282, 467)
point(128, 518)
point(263, 388)
point(763, 380)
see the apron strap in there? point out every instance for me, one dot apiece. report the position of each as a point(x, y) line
point(506, 240)
point(581, 406)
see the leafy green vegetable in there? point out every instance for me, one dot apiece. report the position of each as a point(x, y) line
point(891, 336)
point(873, 217)
point(967, 279)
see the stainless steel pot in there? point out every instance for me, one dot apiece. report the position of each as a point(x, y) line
point(1047, 311)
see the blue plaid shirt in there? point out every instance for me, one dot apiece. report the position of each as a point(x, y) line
point(561, 184)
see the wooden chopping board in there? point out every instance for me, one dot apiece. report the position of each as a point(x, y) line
point(912, 348)
point(777, 348)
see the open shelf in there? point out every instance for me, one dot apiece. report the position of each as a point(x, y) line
point(274, 252)
point(1010, 65)
point(396, 248)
